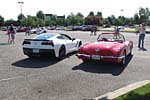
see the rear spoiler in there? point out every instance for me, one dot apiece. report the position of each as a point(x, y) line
point(36, 40)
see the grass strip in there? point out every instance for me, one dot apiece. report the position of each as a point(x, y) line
point(142, 93)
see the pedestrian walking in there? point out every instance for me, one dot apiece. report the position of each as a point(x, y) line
point(12, 32)
point(28, 32)
point(141, 36)
point(9, 35)
point(116, 32)
point(93, 30)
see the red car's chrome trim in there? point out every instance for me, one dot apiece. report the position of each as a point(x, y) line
point(85, 55)
point(113, 57)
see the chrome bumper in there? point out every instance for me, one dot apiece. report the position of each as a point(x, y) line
point(89, 56)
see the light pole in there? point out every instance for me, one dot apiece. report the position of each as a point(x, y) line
point(122, 17)
point(21, 6)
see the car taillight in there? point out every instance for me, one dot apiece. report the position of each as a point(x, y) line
point(26, 42)
point(48, 43)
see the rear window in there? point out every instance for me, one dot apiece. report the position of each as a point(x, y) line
point(44, 36)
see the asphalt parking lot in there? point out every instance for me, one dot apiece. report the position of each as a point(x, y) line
point(22, 78)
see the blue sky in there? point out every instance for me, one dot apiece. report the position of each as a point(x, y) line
point(10, 9)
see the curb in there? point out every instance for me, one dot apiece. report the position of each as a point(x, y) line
point(121, 91)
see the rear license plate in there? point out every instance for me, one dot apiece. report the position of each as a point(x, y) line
point(35, 50)
point(95, 57)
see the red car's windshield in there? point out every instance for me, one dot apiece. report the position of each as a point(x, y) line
point(111, 37)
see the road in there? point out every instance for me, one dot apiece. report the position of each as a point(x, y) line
point(22, 78)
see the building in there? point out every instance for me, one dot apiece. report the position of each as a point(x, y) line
point(49, 16)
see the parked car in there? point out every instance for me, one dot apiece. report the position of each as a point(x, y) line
point(108, 47)
point(33, 30)
point(106, 26)
point(121, 27)
point(22, 29)
point(43, 30)
point(86, 27)
point(60, 28)
point(53, 44)
point(4, 28)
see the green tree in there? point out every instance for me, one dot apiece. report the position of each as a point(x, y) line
point(9, 22)
point(99, 14)
point(1, 20)
point(80, 15)
point(91, 13)
point(113, 19)
point(20, 16)
point(105, 21)
point(80, 18)
point(110, 20)
point(29, 21)
point(144, 14)
point(119, 21)
point(60, 21)
point(72, 19)
point(92, 20)
point(53, 20)
point(136, 18)
point(41, 17)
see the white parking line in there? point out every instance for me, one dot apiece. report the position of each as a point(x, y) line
point(7, 79)
point(17, 77)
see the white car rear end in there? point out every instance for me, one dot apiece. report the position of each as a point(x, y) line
point(50, 44)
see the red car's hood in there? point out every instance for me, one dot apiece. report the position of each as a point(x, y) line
point(104, 47)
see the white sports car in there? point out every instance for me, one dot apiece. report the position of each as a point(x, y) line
point(50, 44)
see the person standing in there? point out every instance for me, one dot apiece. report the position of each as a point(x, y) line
point(9, 35)
point(28, 28)
point(141, 36)
point(12, 33)
point(116, 32)
point(92, 30)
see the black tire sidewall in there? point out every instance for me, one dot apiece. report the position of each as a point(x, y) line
point(62, 49)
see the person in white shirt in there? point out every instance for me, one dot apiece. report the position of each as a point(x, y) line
point(141, 36)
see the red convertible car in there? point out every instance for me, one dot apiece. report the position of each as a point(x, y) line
point(108, 47)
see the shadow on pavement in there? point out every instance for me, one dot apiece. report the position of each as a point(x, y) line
point(35, 62)
point(103, 67)
point(5, 43)
point(39, 62)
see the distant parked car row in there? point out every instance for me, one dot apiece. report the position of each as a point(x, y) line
point(82, 27)
point(38, 30)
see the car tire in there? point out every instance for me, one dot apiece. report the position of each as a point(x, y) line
point(62, 52)
point(85, 61)
point(30, 56)
point(130, 54)
point(123, 61)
